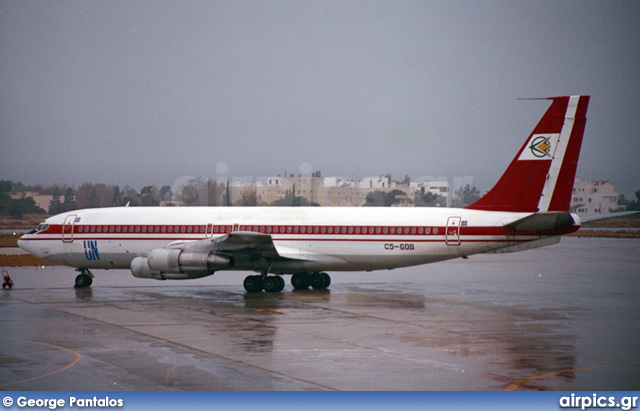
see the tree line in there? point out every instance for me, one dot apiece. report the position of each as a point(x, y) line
point(16, 207)
point(631, 205)
point(193, 192)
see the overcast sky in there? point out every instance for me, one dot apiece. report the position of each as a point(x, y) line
point(146, 92)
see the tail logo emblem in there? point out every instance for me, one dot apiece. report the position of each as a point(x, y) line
point(540, 147)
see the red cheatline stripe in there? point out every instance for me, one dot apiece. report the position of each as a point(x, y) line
point(305, 230)
point(79, 237)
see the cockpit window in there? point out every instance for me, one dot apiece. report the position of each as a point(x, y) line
point(41, 227)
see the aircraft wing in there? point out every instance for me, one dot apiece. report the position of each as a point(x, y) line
point(252, 245)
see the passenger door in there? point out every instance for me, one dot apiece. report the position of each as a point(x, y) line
point(67, 228)
point(452, 234)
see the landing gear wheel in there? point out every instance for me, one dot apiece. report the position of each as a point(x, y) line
point(83, 281)
point(253, 284)
point(301, 281)
point(327, 279)
point(273, 284)
point(320, 281)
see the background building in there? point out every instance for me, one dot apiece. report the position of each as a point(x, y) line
point(594, 198)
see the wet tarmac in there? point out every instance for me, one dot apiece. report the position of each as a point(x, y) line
point(565, 317)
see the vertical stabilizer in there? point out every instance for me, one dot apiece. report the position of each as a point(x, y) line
point(540, 177)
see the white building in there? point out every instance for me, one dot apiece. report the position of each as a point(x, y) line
point(440, 188)
point(375, 182)
point(594, 198)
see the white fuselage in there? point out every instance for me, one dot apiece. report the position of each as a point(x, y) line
point(315, 239)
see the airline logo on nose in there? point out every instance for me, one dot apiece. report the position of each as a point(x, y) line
point(91, 250)
point(539, 147)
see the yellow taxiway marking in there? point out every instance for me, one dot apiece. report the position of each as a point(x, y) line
point(57, 348)
point(58, 283)
point(520, 383)
point(273, 310)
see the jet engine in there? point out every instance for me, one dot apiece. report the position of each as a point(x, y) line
point(177, 264)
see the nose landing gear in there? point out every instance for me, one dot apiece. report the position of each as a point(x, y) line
point(84, 279)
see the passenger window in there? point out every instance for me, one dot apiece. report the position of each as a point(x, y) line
point(385, 230)
point(344, 230)
point(427, 230)
point(413, 230)
point(189, 229)
point(164, 229)
point(378, 230)
point(323, 229)
point(350, 230)
point(330, 230)
point(392, 230)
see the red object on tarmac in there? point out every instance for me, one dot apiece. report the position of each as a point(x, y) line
point(7, 280)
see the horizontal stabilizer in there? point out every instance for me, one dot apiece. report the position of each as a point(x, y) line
point(543, 242)
point(554, 220)
point(609, 215)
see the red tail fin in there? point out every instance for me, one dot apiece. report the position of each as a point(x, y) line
point(540, 177)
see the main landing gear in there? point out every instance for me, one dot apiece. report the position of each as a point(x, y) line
point(84, 279)
point(317, 281)
point(257, 283)
point(275, 283)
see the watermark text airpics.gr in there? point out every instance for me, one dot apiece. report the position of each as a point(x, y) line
point(597, 401)
point(73, 402)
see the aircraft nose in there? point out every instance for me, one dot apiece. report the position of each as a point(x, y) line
point(23, 244)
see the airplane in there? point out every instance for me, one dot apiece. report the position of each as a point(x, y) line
point(527, 208)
